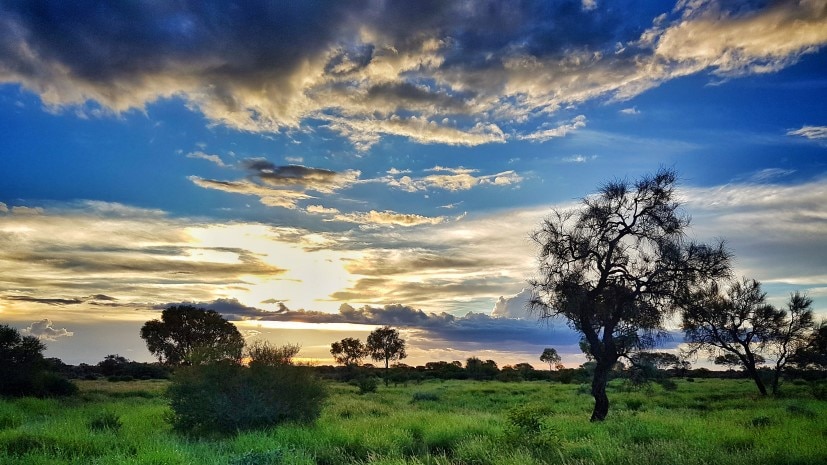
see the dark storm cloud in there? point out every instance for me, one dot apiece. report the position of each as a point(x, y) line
point(476, 328)
point(449, 72)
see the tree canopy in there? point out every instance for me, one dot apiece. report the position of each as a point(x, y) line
point(551, 357)
point(187, 335)
point(614, 267)
point(349, 351)
point(385, 344)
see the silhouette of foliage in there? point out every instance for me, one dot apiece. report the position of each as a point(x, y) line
point(24, 371)
point(186, 335)
point(385, 344)
point(348, 351)
point(551, 357)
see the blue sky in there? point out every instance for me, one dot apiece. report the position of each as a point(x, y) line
point(314, 169)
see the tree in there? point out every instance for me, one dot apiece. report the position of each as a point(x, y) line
point(385, 344)
point(551, 357)
point(813, 354)
point(186, 335)
point(737, 321)
point(24, 370)
point(615, 266)
point(791, 334)
point(348, 351)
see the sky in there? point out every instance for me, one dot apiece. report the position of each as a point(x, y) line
point(313, 170)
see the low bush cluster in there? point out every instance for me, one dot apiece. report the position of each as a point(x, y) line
point(225, 397)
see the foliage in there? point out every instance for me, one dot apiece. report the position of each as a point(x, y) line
point(225, 397)
point(186, 335)
point(813, 354)
point(614, 267)
point(481, 370)
point(24, 371)
point(736, 327)
point(266, 354)
point(366, 384)
point(348, 351)
point(385, 344)
point(551, 357)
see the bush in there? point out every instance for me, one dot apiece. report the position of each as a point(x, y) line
point(48, 384)
point(424, 396)
point(366, 384)
point(225, 397)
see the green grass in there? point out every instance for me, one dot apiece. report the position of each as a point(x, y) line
point(436, 423)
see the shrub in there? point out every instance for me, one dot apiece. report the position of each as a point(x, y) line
point(366, 384)
point(48, 384)
point(225, 397)
point(634, 404)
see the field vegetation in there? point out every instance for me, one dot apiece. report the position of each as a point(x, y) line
point(463, 422)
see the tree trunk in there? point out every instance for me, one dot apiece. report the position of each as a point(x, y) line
point(776, 376)
point(756, 376)
point(601, 400)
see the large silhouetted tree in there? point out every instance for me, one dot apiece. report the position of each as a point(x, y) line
point(614, 267)
point(187, 335)
point(385, 344)
point(348, 351)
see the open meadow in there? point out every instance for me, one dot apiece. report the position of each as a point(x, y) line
point(436, 422)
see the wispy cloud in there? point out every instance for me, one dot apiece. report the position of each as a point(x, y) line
point(544, 135)
point(810, 132)
point(456, 179)
point(437, 73)
point(630, 111)
point(215, 159)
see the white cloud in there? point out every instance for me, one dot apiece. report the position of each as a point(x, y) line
point(44, 330)
point(630, 111)
point(810, 132)
point(215, 159)
point(388, 218)
point(3, 208)
point(589, 5)
point(515, 306)
point(458, 179)
point(578, 122)
point(578, 158)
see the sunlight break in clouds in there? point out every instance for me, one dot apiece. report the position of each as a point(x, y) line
point(437, 73)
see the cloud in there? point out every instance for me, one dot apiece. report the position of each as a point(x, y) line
point(388, 218)
point(281, 186)
point(810, 132)
point(630, 111)
point(215, 159)
point(472, 328)
point(440, 72)
point(544, 135)
point(458, 179)
point(515, 306)
point(3, 208)
point(44, 330)
point(578, 159)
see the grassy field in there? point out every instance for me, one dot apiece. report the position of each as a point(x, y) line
point(455, 422)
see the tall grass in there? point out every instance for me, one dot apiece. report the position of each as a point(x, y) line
point(436, 423)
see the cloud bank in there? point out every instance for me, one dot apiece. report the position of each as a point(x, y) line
point(447, 72)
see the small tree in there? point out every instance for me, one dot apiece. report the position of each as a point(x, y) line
point(349, 351)
point(615, 266)
point(813, 354)
point(737, 322)
point(551, 357)
point(385, 344)
point(791, 334)
point(186, 335)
